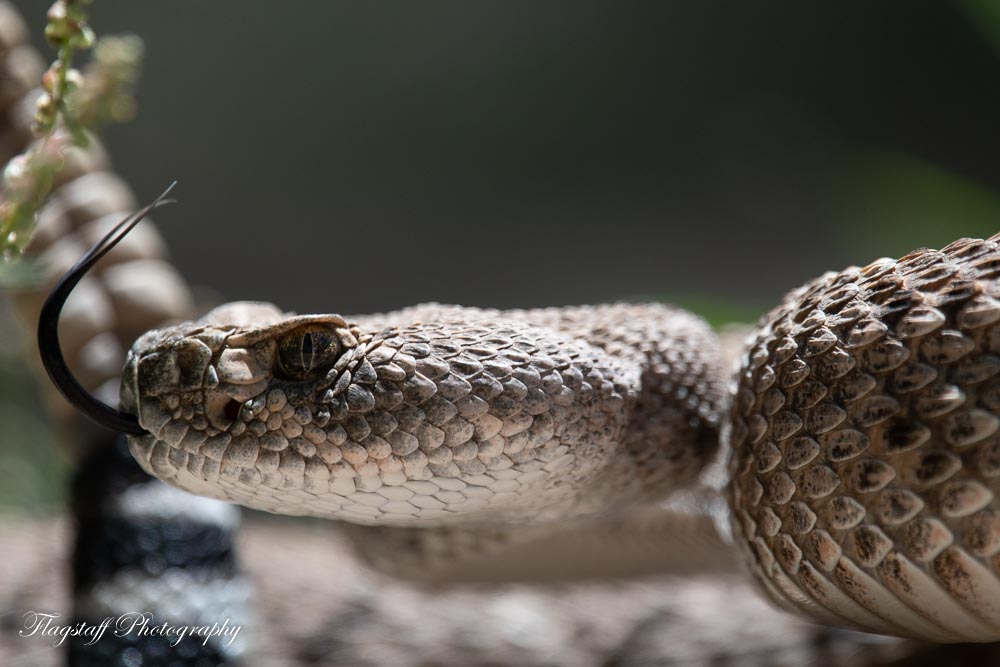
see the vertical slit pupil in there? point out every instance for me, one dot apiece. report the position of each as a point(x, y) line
point(307, 351)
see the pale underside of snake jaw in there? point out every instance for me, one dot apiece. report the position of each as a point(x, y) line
point(434, 415)
point(866, 446)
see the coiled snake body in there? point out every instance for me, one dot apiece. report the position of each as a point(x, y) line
point(866, 439)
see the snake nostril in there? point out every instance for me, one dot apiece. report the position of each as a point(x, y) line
point(232, 409)
point(221, 409)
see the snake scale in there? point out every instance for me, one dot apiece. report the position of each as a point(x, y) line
point(861, 426)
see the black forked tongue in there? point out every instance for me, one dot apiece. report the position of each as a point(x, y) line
point(48, 329)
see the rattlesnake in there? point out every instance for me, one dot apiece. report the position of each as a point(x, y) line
point(863, 425)
point(865, 435)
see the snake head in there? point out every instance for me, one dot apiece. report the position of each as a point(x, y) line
point(243, 379)
point(229, 357)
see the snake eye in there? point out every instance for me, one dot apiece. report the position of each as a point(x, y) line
point(306, 352)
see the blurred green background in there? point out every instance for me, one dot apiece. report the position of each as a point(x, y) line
point(354, 157)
